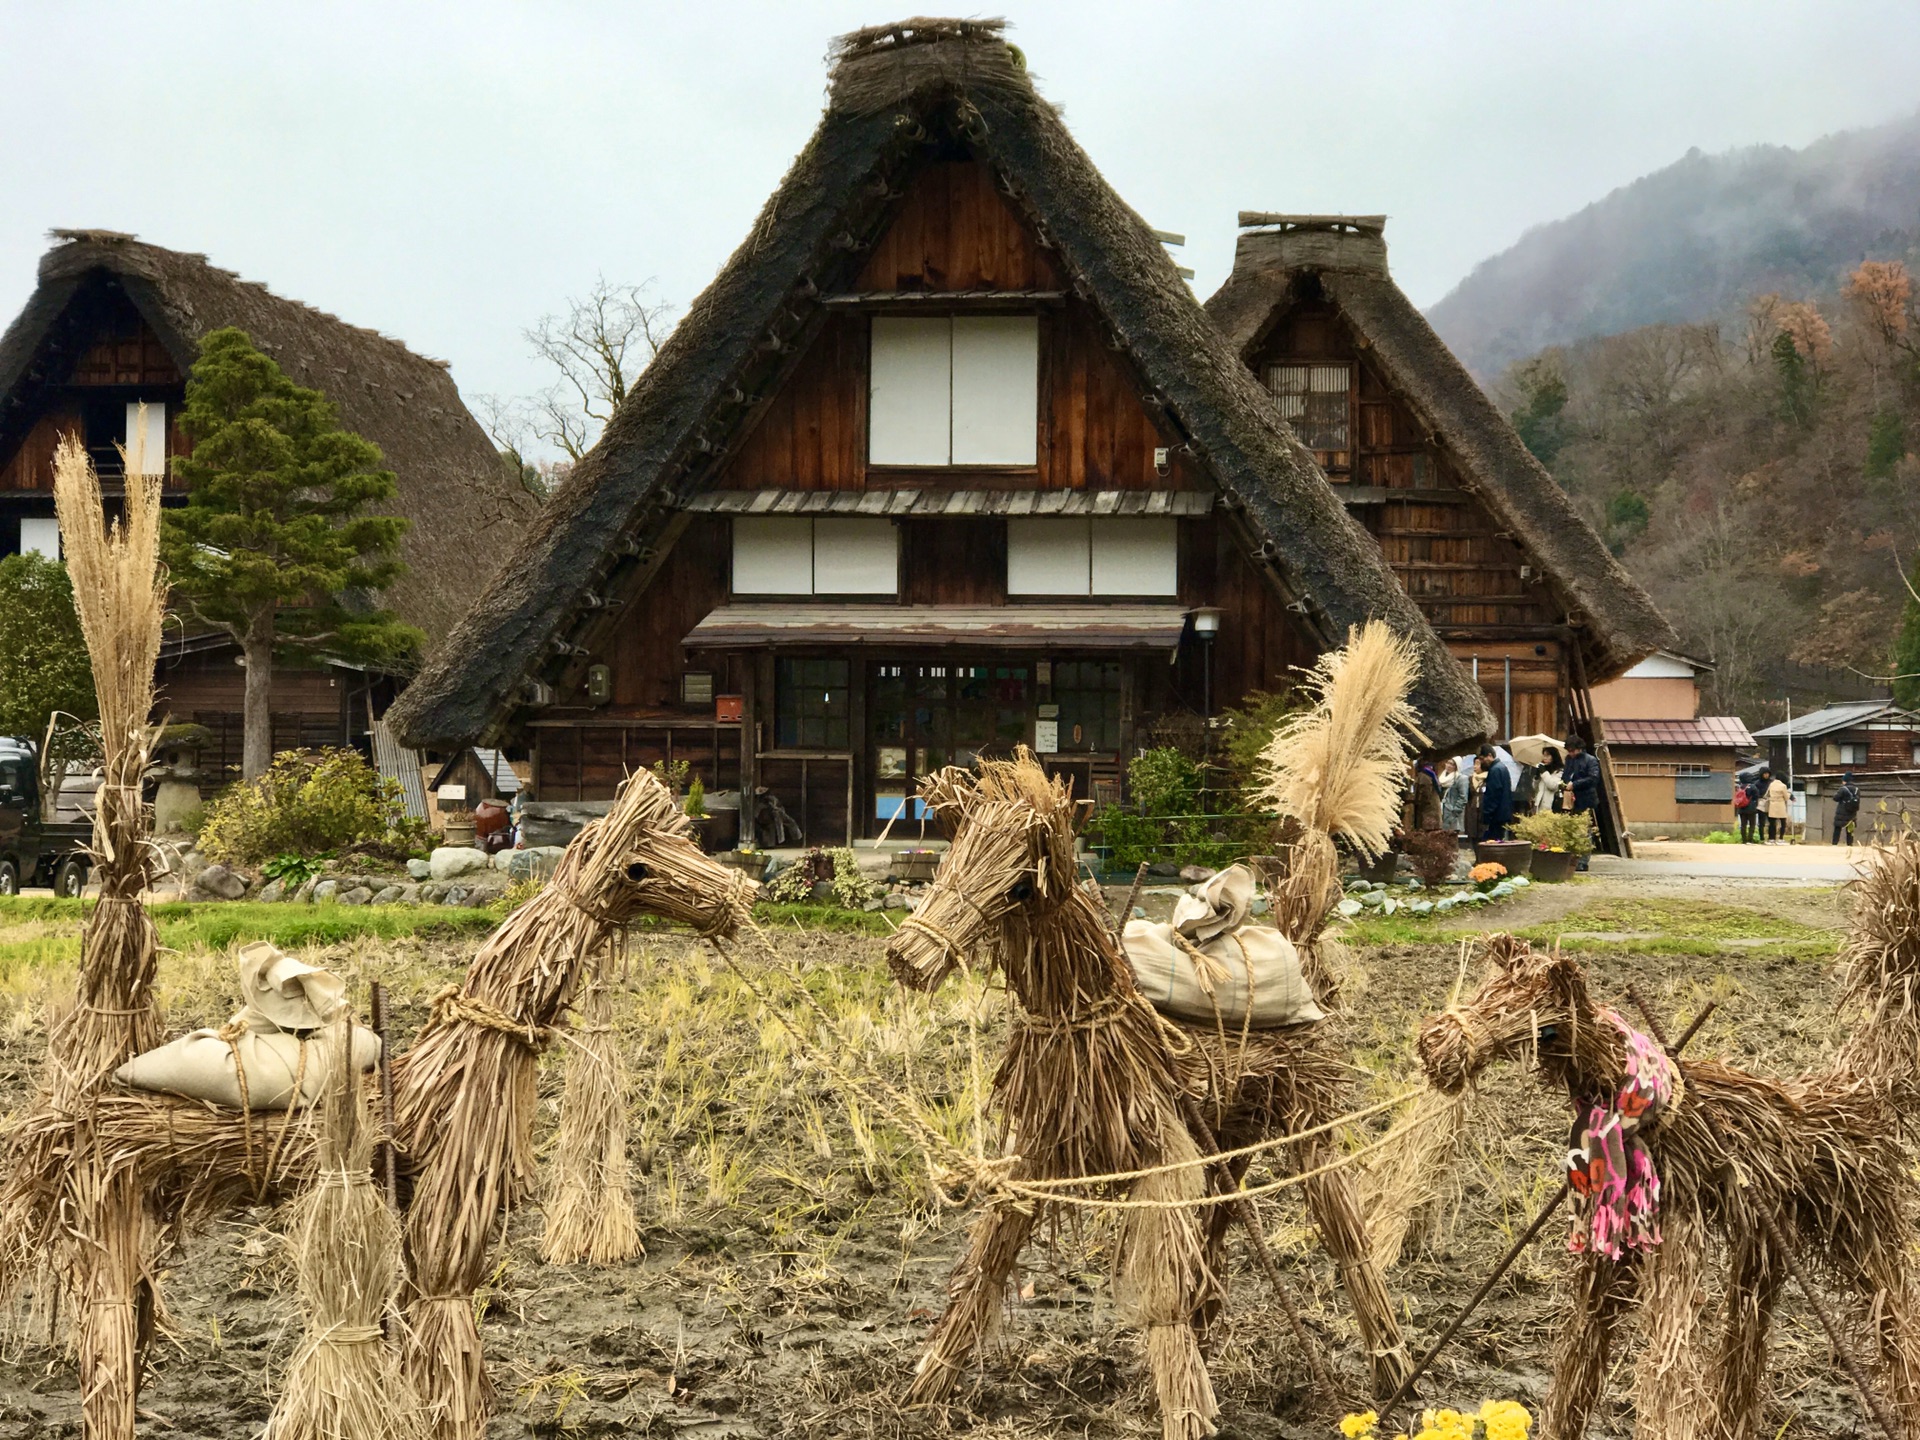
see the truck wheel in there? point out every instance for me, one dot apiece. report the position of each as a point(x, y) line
point(70, 878)
point(9, 878)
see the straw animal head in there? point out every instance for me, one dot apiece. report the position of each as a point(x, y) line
point(642, 858)
point(1013, 830)
point(1531, 1004)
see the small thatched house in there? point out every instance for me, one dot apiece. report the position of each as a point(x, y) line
point(115, 323)
point(946, 458)
point(1480, 536)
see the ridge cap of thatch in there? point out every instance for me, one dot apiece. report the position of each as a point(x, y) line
point(883, 66)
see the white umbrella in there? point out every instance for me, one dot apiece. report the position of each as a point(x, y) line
point(1532, 749)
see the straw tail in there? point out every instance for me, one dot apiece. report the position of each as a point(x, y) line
point(1337, 769)
point(1882, 967)
point(345, 1382)
point(590, 1217)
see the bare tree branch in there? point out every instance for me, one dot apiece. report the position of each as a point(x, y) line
point(600, 346)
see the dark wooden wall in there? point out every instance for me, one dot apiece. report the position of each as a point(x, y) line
point(1439, 539)
point(955, 232)
point(1260, 641)
point(127, 357)
point(309, 708)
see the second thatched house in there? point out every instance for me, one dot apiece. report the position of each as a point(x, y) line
point(115, 324)
point(1479, 534)
point(946, 459)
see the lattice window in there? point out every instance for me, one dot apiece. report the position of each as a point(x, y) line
point(1313, 399)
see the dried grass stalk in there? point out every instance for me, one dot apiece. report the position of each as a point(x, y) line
point(345, 1382)
point(1403, 1190)
point(465, 1091)
point(589, 1210)
point(65, 1206)
point(1162, 1276)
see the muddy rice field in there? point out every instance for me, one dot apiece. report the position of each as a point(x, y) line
point(796, 1247)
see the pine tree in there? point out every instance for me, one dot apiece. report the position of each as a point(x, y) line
point(272, 545)
point(43, 655)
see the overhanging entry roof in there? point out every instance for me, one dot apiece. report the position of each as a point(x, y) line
point(1000, 627)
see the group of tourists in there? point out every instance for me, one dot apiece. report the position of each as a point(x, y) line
point(1764, 803)
point(1480, 796)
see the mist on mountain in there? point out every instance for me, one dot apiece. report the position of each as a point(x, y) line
point(1694, 242)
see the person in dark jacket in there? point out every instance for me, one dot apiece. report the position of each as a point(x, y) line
point(1496, 795)
point(1424, 796)
point(1846, 807)
point(1581, 777)
point(1753, 784)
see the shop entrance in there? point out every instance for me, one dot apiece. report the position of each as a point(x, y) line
point(924, 715)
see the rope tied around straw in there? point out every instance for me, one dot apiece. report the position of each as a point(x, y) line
point(1103, 1012)
point(451, 1006)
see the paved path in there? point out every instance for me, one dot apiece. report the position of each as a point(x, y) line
point(1787, 863)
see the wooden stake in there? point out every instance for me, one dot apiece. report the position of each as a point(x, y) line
point(389, 1167)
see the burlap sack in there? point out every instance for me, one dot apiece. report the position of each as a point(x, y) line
point(202, 1066)
point(274, 1045)
point(1209, 964)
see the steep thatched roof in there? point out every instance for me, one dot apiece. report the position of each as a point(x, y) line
point(466, 510)
point(1347, 256)
point(897, 93)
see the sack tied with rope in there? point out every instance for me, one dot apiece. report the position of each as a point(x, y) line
point(1208, 964)
point(272, 1055)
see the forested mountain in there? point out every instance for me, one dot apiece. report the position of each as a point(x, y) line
point(1758, 478)
point(1692, 243)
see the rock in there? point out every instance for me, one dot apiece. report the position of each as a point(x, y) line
point(822, 892)
point(454, 895)
point(1165, 870)
point(1259, 906)
point(389, 895)
point(896, 902)
point(1195, 874)
point(1139, 913)
point(325, 890)
point(409, 895)
point(220, 883)
point(304, 895)
point(419, 869)
point(191, 864)
point(482, 896)
point(536, 863)
point(359, 895)
point(451, 861)
point(274, 890)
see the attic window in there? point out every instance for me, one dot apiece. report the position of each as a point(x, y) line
point(1313, 399)
point(954, 390)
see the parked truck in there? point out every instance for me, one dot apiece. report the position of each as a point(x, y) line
point(34, 848)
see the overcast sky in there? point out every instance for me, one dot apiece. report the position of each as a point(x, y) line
point(448, 173)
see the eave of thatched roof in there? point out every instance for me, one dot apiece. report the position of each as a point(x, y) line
point(1617, 619)
point(895, 91)
point(466, 510)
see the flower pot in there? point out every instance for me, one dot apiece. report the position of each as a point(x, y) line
point(753, 862)
point(1382, 869)
point(1554, 866)
point(1516, 855)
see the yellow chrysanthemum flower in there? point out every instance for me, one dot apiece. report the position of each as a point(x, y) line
point(1354, 1427)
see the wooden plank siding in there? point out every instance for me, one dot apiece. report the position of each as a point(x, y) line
point(954, 231)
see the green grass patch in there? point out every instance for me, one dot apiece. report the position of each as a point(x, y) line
point(803, 916)
point(1685, 927)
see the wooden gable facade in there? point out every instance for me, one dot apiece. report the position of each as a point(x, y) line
point(1476, 584)
point(1478, 534)
point(837, 703)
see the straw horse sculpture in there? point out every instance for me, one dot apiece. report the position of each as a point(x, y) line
point(1095, 1082)
point(1826, 1156)
point(464, 1101)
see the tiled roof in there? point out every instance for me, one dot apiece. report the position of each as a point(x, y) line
point(1721, 732)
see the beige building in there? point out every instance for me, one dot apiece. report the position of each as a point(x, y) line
point(1674, 766)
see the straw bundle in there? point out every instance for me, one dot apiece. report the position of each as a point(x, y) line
point(64, 1205)
point(345, 1382)
point(1162, 1276)
point(465, 1091)
point(1402, 1189)
point(589, 1209)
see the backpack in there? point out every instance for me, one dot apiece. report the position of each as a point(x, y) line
point(1742, 797)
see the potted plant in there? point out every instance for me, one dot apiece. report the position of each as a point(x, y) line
point(1516, 855)
point(695, 808)
point(1558, 840)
